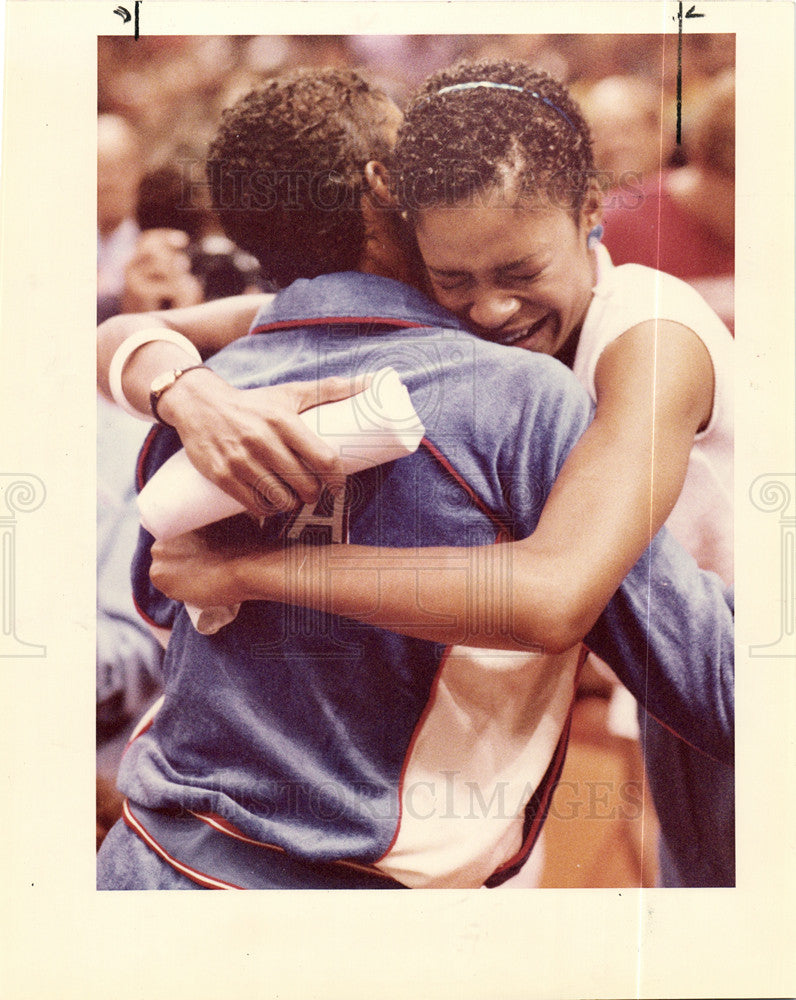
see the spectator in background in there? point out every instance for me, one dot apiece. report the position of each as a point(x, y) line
point(157, 277)
point(685, 221)
point(400, 62)
point(180, 257)
point(118, 175)
point(630, 147)
point(157, 272)
point(174, 87)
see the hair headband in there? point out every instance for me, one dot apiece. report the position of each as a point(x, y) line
point(490, 84)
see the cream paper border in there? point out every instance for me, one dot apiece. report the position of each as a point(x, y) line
point(63, 939)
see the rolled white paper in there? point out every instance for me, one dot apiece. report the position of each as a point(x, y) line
point(376, 426)
point(178, 499)
point(207, 621)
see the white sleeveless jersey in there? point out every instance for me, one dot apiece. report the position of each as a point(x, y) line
point(624, 296)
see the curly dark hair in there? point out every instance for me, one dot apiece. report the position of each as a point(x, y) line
point(458, 144)
point(286, 170)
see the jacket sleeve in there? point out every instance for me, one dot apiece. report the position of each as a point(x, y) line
point(155, 608)
point(668, 634)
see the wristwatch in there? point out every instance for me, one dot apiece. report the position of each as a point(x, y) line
point(162, 382)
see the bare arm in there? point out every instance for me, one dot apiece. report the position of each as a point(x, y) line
point(614, 492)
point(249, 442)
point(209, 326)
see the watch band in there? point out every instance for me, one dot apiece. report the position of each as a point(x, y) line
point(128, 347)
point(163, 382)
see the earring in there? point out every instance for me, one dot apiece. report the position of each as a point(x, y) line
point(594, 237)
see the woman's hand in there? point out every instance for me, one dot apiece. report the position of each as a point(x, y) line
point(252, 443)
point(188, 569)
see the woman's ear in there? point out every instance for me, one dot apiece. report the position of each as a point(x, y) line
point(591, 212)
point(378, 178)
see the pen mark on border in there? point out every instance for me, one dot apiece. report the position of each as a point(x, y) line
point(691, 12)
point(126, 17)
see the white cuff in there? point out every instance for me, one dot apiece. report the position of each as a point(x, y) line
point(122, 355)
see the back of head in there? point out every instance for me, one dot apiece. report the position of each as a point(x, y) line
point(286, 170)
point(492, 123)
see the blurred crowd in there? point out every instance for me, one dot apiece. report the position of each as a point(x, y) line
point(160, 99)
point(171, 89)
point(668, 205)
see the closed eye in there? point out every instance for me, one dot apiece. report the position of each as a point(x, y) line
point(522, 278)
point(453, 281)
point(450, 283)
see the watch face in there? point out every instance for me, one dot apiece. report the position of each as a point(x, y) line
point(161, 382)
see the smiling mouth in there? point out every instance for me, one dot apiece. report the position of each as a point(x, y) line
point(512, 337)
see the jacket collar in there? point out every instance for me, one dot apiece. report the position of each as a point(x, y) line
point(351, 297)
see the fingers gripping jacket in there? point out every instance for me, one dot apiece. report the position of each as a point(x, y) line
point(376, 426)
